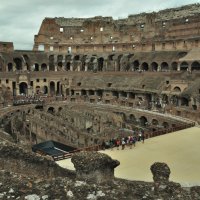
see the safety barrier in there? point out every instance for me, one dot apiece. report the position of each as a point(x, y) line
point(69, 154)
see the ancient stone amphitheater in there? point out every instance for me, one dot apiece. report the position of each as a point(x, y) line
point(85, 81)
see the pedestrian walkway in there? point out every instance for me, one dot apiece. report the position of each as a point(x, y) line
point(180, 150)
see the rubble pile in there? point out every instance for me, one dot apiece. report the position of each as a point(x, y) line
point(94, 180)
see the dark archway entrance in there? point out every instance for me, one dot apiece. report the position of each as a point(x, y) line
point(18, 63)
point(100, 64)
point(23, 88)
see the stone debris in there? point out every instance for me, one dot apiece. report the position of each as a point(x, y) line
point(14, 185)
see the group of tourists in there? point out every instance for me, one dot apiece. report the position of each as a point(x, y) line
point(128, 141)
point(27, 100)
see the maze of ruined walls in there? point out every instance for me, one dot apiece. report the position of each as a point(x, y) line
point(80, 125)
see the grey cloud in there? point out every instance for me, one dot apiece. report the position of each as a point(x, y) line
point(21, 19)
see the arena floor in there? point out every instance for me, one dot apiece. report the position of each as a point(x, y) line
point(180, 150)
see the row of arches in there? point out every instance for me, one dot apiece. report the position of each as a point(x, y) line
point(100, 66)
point(113, 62)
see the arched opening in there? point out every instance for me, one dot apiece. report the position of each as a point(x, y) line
point(184, 101)
point(51, 110)
point(18, 63)
point(10, 67)
point(143, 121)
point(195, 66)
point(132, 118)
point(68, 64)
point(177, 89)
point(92, 63)
point(136, 65)
point(154, 122)
point(110, 57)
point(60, 65)
point(45, 89)
point(115, 94)
point(58, 91)
point(37, 89)
point(164, 67)
point(100, 64)
point(44, 67)
point(60, 109)
point(52, 88)
point(23, 88)
point(76, 57)
point(27, 61)
point(99, 93)
point(174, 100)
point(51, 63)
point(83, 92)
point(174, 66)
point(119, 63)
point(154, 66)
point(144, 66)
point(165, 125)
point(91, 92)
point(36, 68)
point(184, 66)
point(59, 58)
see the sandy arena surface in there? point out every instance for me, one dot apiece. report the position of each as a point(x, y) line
point(180, 150)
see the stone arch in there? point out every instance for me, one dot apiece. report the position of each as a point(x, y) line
point(136, 65)
point(68, 66)
point(174, 66)
point(37, 89)
point(36, 67)
point(27, 61)
point(51, 110)
point(110, 57)
point(60, 65)
point(83, 61)
point(145, 66)
point(184, 101)
point(195, 66)
point(77, 57)
point(119, 63)
point(44, 67)
point(154, 66)
point(184, 66)
point(10, 67)
point(18, 63)
point(83, 92)
point(100, 63)
point(45, 89)
point(164, 66)
point(165, 124)
point(23, 88)
point(132, 118)
point(52, 88)
point(154, 122)
point(51, 63)
point(143, 121)
point(60, 109)
point(177, 89)
point(59, 58)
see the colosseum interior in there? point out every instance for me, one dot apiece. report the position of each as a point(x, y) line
point(88, 78)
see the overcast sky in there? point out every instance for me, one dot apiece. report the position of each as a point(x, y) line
point(20, 20)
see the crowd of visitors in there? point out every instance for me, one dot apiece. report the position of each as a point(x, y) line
point(128, 141)
point(27, 100)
